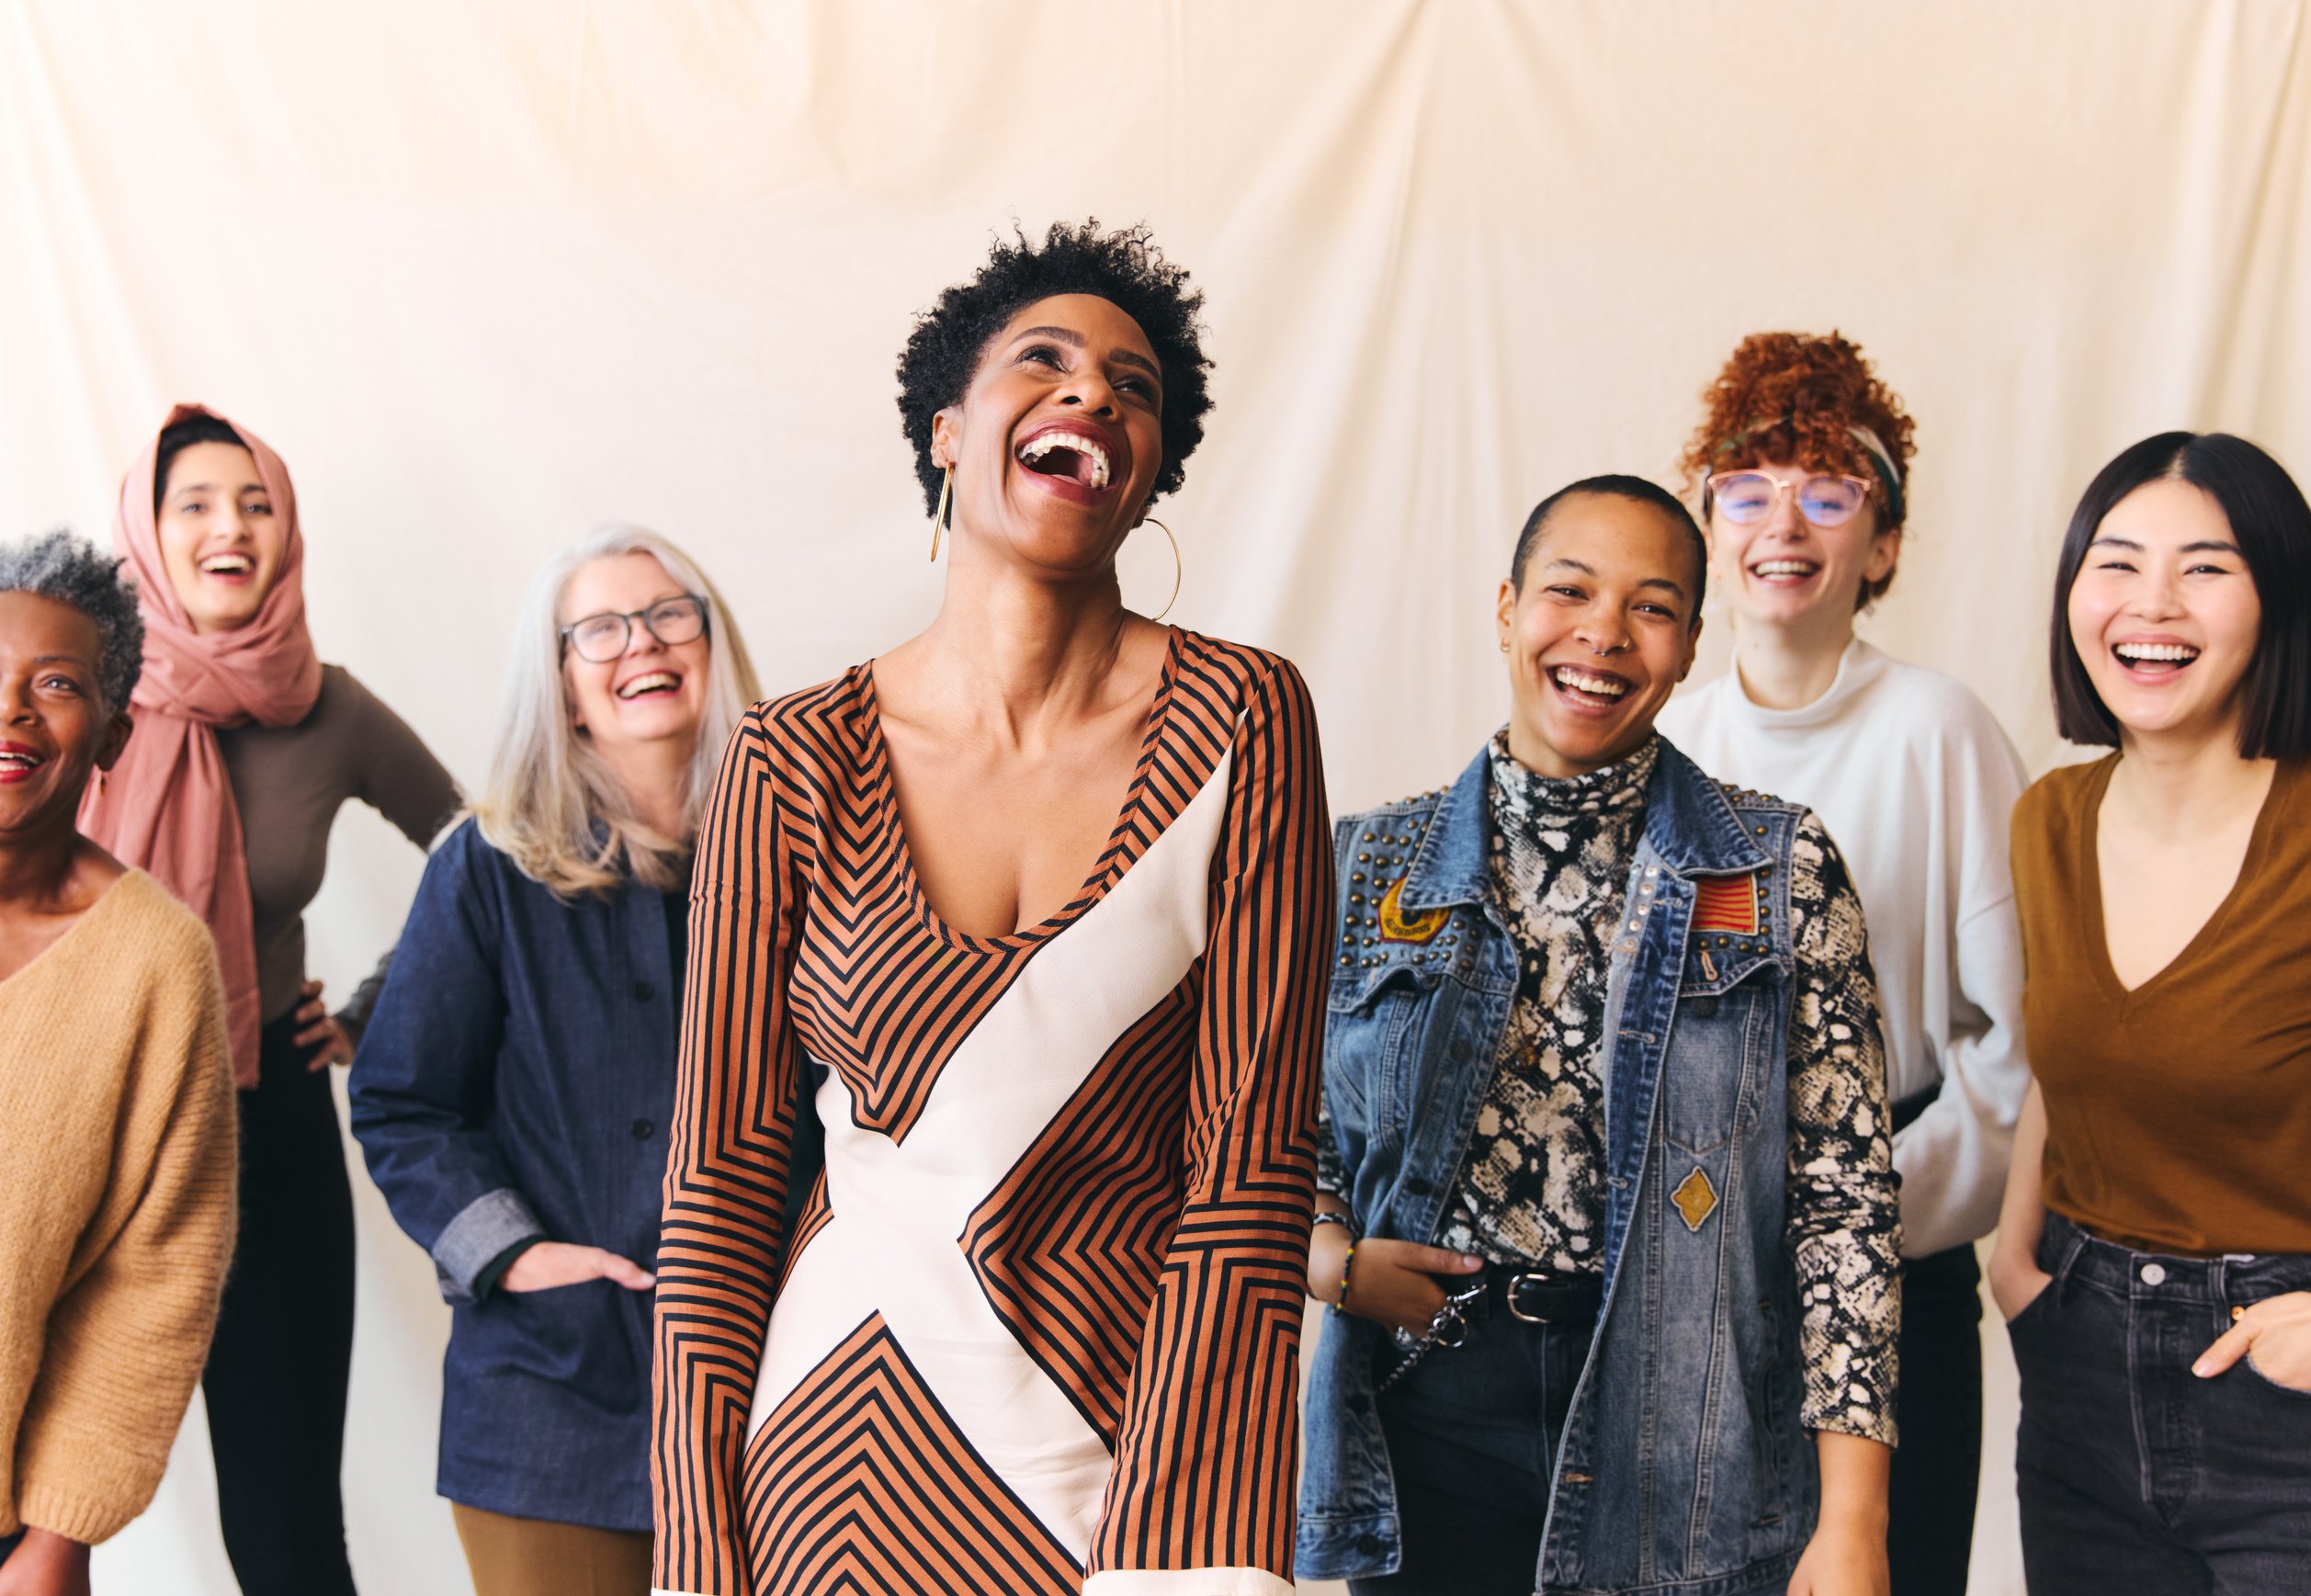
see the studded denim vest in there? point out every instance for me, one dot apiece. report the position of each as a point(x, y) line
point(1684, 1465)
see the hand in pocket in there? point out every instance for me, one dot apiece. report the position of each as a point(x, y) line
point(2274, 1335)
point(2015, 1284)
point(548, 1264)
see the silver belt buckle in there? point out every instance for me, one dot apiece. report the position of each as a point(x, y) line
point(1509, 1297)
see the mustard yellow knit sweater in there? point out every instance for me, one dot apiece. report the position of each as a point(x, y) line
point(117, 1176)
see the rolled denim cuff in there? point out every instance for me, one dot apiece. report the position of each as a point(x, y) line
point(478, 1237)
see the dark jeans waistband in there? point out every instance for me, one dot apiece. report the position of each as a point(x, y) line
point(2076, 1256)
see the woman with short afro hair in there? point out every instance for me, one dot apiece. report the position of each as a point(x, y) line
point(116, 1094)
point(1029, 913)
point(1802, 461)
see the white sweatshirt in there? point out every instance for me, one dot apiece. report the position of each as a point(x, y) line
point(1916, 781)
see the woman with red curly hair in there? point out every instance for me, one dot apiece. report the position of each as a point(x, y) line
point(1801, 463)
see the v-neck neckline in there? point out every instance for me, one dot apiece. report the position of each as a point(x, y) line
point(2258, 844)
point(1095, 886)
point(80, 920)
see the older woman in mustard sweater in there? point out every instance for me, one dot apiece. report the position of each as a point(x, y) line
point(115, 1096)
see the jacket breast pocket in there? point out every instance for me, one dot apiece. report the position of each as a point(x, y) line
point(1375, 1028)
point(1717, 1063)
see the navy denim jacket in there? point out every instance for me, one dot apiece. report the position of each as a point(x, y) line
point(515, 1082)
point(1685, 1465)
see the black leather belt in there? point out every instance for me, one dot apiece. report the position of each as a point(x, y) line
point(1560, 1300)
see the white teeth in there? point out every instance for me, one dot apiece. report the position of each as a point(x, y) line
point(1606, 687)
point(2168, 653)
point(229, 565)
point(1784, 568)
point(1040, 446)
point(25, 760)
point(641, 685)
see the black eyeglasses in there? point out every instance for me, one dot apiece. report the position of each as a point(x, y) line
point(599, 639)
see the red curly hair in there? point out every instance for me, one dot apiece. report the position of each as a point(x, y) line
point(1788, 399)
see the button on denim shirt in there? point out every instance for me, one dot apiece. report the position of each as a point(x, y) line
point(1684, 1465)
point(515, 1082)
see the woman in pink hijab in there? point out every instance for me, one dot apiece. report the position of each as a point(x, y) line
point(247, 746)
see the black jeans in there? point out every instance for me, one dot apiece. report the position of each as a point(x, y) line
point(276, 1375)
point(2136, 1474)
point(1472, 1435)
point(1938, 1467)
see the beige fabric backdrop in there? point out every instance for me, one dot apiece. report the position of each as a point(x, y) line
point(490, 272)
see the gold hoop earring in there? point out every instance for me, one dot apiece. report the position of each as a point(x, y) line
point(938, 516)
point(1179, 568)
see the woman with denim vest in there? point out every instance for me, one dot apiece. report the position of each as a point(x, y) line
point(514, 1088)
point(1801, 461)
point(1607, 1211)
point(2154, 1256)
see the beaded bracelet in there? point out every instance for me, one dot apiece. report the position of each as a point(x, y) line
point(1347, 1222)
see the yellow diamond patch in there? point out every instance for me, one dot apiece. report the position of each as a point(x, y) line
point(1695, 1198)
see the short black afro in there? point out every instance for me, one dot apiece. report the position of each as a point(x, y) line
point(1124, 267)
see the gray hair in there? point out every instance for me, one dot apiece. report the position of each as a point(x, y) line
point(59, 566)
point(550, 805)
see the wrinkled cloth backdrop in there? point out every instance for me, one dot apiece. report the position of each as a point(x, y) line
point(488, 274)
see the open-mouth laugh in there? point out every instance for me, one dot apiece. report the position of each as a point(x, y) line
point(2154, 659)
point(18, 763)
point(1587, 688)
point(650, 684)
point(1067, 454)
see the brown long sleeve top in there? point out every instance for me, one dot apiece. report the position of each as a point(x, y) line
point(290, 782)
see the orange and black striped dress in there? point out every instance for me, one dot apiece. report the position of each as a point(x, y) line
point(1038, 1329)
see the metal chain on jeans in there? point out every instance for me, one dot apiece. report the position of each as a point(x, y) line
point(1447, 1329)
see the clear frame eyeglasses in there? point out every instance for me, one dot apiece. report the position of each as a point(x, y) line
point(1744, 497)
point(599, 639)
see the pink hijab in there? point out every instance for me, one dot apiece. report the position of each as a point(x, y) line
point(167, 807)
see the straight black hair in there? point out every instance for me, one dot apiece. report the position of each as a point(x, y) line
point(1613, 485)
point(2271, 523)
point(180, 436)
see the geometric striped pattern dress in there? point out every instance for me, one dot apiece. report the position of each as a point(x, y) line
point(1038, 1328)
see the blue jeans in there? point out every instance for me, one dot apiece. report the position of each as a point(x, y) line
point(1472, 1435)
point(2134, 1473)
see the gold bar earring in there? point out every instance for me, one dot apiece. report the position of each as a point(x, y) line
point(938, 516)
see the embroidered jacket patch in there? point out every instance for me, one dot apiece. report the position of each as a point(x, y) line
point(1395, 925)
point(1695, 1198)
point(1727, 903)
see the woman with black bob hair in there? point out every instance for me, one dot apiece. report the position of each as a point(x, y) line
point(2154, 1256)
point(1030, 912)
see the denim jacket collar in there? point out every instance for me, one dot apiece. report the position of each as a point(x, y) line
point(1450, 870)
point(1690, 821)
point(1689, 824)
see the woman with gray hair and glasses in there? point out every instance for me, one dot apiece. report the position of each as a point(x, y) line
point(116, 1094)
point(512, 1089)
